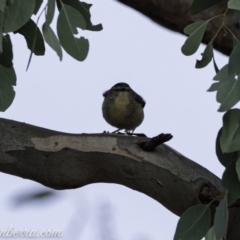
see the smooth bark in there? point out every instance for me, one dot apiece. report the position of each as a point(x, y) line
point(66, 161)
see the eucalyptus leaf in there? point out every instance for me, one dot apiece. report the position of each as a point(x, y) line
point(84, 9)
point(222, 74)
point(231, 182)
point(191, 28)
point(194, 223)
point(224, 88)
point(214, 87)
point(50, 11)
point(230, 95)
point(207, 56)
point(52, 40)
point(37, 6)
point(68, 21)
point(234, 66)
point(6, 56)
point(193, 41)
point(210, 234)
point(200, 5)
point(224, 158)
point(2, 5)
point(221, 219)
point(230, 137)
point(19, 13)
point(33, 37)
point(7, 93)
point(234, 4)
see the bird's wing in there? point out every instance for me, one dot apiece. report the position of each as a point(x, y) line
point(140, 100)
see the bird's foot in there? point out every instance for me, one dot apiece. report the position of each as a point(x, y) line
point(130, 133)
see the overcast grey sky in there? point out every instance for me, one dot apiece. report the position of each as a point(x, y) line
point(67, 96)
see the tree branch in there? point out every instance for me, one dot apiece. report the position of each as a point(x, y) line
point(173, 15)
point(65, 161)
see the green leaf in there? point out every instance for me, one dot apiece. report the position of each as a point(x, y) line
point(37, 6)
point(8, 80)
point(33, 37)
point(194, 223)
point(222, 74)
point(210, 234)
point(231, 182)
point(6, 56)
point(68, 21)
point(191, 28)
point(50, 11)
point(224, 158)
point(230, 137)
point(221, 219)
point(229, 94)
point(234, 66)
point(52, 40)
point(238, 168)
point(2, 5)
point(200, 5)
point(19, 13)
point(84, 9)
point(214, 87)
point(234, 4)
point(230, 90)
point(207, 56)
point(193, 41)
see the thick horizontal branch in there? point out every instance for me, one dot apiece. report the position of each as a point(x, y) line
point(64, 161)
point(173, 15)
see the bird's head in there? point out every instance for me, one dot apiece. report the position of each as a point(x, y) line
point(119, 87)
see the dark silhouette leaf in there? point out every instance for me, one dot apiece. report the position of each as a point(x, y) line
point(6, 56)
point(7, 93)
point(33, 37)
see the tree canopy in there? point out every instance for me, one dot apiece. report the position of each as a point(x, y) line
point(207, 213)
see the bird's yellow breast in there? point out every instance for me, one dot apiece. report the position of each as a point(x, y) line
point(123, 112)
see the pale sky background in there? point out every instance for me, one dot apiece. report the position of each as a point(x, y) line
point(67, 96)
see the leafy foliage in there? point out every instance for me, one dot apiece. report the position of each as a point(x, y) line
point(192, 43)
point(69, 20)
point(227, 87)
point(221, 219)
point(194, 223)
point(15, 16)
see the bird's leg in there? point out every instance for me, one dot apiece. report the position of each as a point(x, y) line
point(128, 132)
point(117, 131)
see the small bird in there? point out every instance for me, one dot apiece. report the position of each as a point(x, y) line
point(123, 108)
